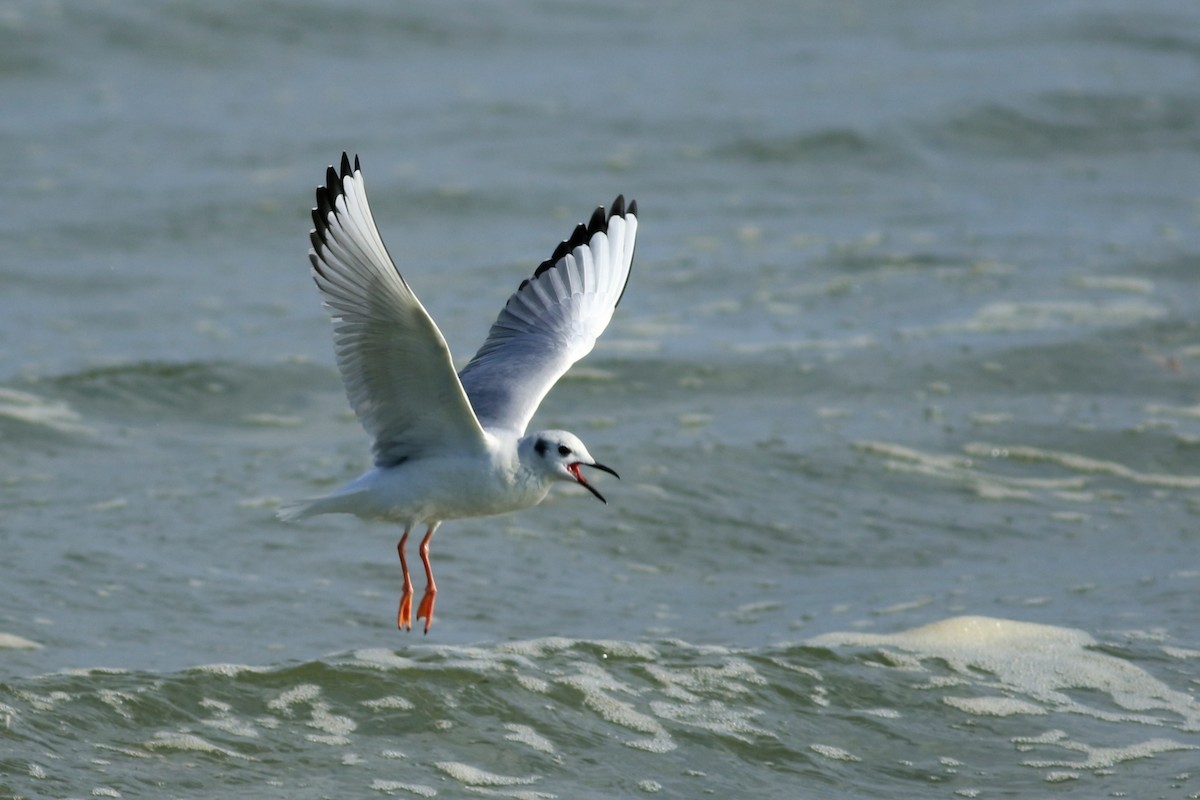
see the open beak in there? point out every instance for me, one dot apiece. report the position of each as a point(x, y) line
point(574, 470)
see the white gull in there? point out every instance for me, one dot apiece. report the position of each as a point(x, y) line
point(450, 445)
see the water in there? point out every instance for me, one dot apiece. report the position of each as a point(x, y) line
point(904, 395)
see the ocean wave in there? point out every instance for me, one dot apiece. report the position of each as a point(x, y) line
point(256, 394)
point(562, 717)
point(1054, 123)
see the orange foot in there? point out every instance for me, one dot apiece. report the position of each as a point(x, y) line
point(404, 615)
point(425, 611)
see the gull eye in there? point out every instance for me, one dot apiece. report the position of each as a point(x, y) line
point(563, 450)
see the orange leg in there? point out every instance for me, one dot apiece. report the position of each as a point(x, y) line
point(404, 615)
point(425, 611)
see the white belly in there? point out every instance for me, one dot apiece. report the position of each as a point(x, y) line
point(438, 489)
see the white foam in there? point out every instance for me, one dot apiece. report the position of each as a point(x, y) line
point(792, 346)
point(473, 776)
point(229, 670)
point(1181, 652)
point(1191, 412)
point(690, 686)
point(833, 753)
point(1042, 664)
point(304, 693)
point(1084, 464)
point(384, 659)
point(713, 716)
point(225, 720)
point(420, 790)
point(37, 702)
point(966, 471)
point(116, 700)
point(882, 713)
point(905, 607)
point(655, 744)
point(1094, 757)
point(169, 740)
point(391, 701)
point(994, 706)
point(112, 504)
point(335, 729)
point(1116, 283)
point(1060, 777)
point(595, 685)
point(996, 418)
point(550, 645)
point(34, 410)
point(736, 676)
point(532, 684)
point(528, 736)
point(13, 642)
point(128, 752)
point(84, 672)
point(1006, 317)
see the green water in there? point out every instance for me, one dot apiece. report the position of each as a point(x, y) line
point(911, 337)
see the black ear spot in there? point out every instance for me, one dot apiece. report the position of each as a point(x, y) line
point(563, 450)
point(541, 446)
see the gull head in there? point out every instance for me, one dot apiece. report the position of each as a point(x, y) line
point(558, 455)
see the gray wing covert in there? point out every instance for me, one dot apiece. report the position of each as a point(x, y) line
point(394, 361)
point(552, 320)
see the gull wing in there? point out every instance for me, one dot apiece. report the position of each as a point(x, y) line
point(552, 320)
point(397, 369)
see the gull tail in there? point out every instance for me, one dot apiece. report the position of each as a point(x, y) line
point(337, 503)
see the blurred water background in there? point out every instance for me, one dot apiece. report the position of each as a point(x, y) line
point(905, 393)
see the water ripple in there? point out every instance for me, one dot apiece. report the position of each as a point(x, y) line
point(545, 718)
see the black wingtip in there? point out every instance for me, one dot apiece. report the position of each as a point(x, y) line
point(327, 195)
point(320, 214)
point(327, 200)
point(598, 222)
point(334, 176)
point(584, 232)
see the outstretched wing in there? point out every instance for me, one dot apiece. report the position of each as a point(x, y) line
point(552, 320)
point(394, 361)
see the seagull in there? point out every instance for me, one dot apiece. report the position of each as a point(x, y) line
point(451, 445)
